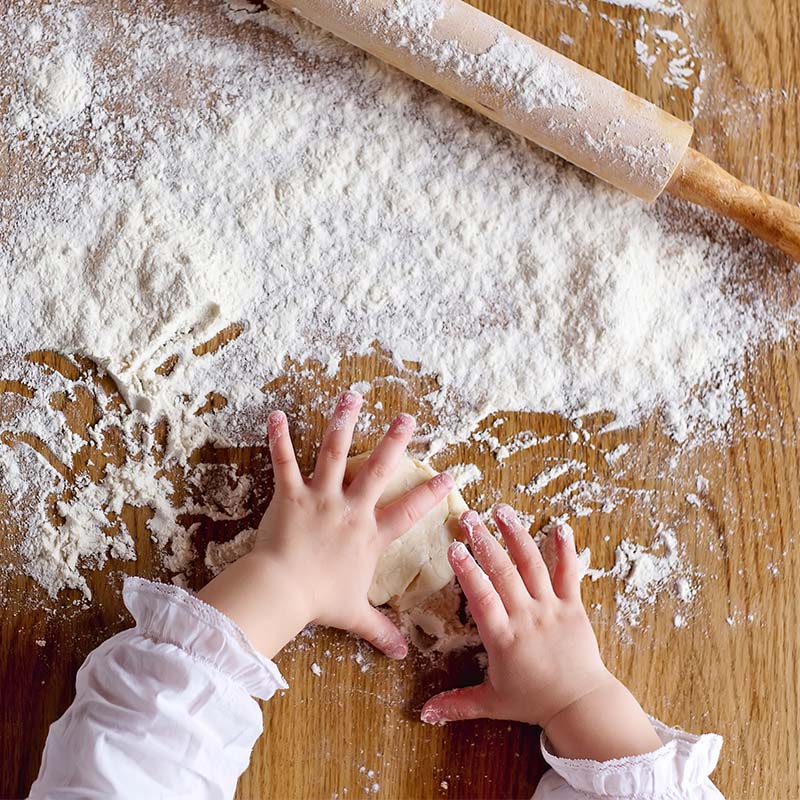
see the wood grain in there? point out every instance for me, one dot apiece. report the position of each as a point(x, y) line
point(733, 669)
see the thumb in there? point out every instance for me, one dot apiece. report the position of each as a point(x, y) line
point(381, 633)
point(472, 702)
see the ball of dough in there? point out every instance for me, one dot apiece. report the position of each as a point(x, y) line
point(414, 566)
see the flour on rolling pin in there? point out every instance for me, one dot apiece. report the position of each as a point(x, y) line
point(521, 84)
point(511, 69)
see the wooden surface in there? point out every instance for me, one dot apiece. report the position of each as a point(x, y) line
point(737, 677)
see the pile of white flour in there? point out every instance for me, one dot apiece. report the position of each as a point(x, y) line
point(165, 175)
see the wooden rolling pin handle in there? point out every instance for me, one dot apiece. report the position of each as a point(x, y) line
point(699, 180)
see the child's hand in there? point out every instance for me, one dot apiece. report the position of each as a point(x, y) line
point(542, 650)
point(318, 543)
point(544, 664)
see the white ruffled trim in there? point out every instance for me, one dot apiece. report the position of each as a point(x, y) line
point(170, 615)
point(685, 760)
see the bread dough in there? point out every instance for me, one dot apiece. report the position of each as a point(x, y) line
point(414, 566)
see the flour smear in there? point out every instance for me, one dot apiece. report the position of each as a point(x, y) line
point(166, 175)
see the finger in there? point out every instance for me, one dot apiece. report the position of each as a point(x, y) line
point(524, 551)
point(402, 514)
point(284, 462)
point(381, 633)
point(494, 560)
point(484, 603)
point(375, 474)
point(332, 458)
point(472, 702)
point(566, 580)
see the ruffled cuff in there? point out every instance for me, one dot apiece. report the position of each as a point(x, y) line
point(683, 762)
point(167, 614)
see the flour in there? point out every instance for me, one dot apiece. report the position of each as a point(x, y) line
point(647, 572)
point(221, 554)
point(547, 476)
point(668, 7)
point(465, 474)
point(521, 441)
point(91, 530)
point(55, 95)
point(223, 494)
point(508, 67)
point(56, 556)
point(583, 498)
point(436, 627)
point(169, 176)
point(414, 16)
point(617, 453)
point(643, 54)
point(187, 228)
point(12, 482)
point(679, 70)
point(673, 56)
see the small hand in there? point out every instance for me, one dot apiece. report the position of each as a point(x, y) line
point(545, 667)
point(319, 542)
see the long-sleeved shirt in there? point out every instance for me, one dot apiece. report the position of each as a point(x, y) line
point(167, 709)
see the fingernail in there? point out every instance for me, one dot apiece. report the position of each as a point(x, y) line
point(349, 399)
point(470, 521)
point(443, 481)
point(431, 716)
point(347, 403)
point(564, 533)
point(275, 420)
point(458, 551)
point(404, 423)
point(398, 651)
point(505, 513)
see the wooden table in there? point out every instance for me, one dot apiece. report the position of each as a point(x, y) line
point(732, 669)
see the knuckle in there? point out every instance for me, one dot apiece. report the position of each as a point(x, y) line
point(409, 513)
point(324, 505)
point(539, 568)
point(334, 452)
point(378, 469)
point(546, 617)
point(484, 600)
point(505, 639)
point(504, 571)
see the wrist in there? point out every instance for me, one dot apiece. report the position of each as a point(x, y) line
point(603, 723)
point(263, 598)
point(588, 686)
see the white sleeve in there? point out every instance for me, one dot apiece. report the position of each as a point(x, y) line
point(678, 770)
point(164, 709)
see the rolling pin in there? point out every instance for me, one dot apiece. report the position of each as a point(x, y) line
point(552, 101)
